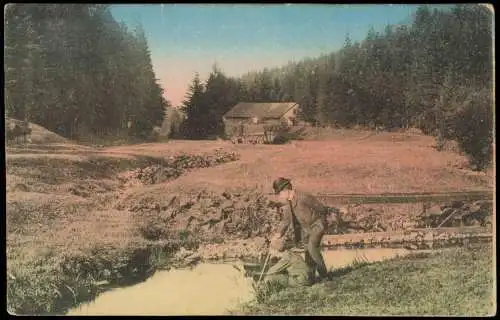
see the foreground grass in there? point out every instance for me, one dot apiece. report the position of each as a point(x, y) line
point(449, 283)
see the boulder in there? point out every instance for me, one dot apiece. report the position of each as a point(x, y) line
point(434, 211)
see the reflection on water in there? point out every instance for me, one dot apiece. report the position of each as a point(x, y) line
point(207, 289)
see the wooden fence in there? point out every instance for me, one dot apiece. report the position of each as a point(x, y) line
point(415, 197)
point(426, 237)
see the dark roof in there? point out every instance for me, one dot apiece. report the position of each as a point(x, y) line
point(261, 110)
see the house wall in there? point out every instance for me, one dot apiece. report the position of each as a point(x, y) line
point(236, 127)
point(290, 116)
point(233, 126)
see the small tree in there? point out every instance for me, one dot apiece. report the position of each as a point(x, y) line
point(194, 107)
point(474, 129)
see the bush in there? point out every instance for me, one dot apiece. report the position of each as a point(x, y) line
point(281, 139)
point(285, 134)
point(473, 130)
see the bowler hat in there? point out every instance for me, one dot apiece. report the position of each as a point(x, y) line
point(280, 184)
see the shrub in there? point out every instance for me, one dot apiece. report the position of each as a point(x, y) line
point(281, 139)
point(473, 129)
point(285, 134)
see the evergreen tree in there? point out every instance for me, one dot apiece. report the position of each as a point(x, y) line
point(420, 75)
point(73, 69)
point(194, 108)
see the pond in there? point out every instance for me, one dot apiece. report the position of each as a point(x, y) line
point(205, 289)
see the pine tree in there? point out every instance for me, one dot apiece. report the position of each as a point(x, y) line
point(72, 68)
point(220, 96)
point(194, 108)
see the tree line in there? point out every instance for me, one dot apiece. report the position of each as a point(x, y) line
point(435, 74)
point(75, 70)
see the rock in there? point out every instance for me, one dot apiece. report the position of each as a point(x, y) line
point(457, 204)
point(475, 222)
point(447, 211)
point(227, 204)
point(475, 208)
point(183, 253)
point(481, 203)
point(239, 205)
point(434, 211)
point(411, 246)
point(428, 237)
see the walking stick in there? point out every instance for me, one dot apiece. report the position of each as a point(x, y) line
point(264, 267)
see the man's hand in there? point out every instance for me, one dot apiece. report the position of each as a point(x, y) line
point(273, 252)
point(277, 243)
point(274, 238)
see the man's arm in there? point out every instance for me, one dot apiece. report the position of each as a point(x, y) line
point(285, 222)
point(286, 218)
point(276, 201)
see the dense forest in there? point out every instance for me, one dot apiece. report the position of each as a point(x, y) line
point(76, 71)
point(435, 74)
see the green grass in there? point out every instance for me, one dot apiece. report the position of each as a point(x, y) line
point(458, 282)
point(50, 284)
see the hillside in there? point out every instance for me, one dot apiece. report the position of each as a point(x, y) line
point(39, 134)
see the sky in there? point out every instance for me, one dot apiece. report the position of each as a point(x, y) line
point(189, 38)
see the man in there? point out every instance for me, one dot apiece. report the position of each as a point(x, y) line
point(305, 213)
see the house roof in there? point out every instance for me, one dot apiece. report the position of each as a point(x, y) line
point(261, 110)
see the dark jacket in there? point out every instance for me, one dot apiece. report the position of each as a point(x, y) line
point(304, 209)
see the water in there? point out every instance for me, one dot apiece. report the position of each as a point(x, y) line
point(206, 289)
point(345, 257)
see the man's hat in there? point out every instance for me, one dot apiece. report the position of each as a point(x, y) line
point(280, 184)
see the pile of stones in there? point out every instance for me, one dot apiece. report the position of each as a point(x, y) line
point(457, 214)
point(175, 166)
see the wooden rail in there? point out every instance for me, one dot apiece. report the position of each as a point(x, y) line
point(405, 197)
point(428, 235)
point(396, 234)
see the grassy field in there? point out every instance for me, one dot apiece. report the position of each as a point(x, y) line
point(456, 282)
point(355, 163)
point(65, 232)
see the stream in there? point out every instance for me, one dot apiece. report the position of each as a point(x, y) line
point(205, 289)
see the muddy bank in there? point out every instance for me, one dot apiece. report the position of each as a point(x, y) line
point(63, 281)
point(250, 250)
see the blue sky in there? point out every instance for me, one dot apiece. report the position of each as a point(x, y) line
point(188, 38)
